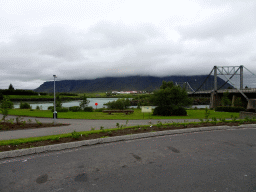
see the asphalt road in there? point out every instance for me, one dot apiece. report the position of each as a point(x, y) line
point(75, 125)
point(202, 161)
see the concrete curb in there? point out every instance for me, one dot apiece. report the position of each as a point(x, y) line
point(58, 147)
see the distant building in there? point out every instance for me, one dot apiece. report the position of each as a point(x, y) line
point(124, 92)
point(114, 92)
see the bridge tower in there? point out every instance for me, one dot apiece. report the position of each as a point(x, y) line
point(228, 70)
point(224, 70)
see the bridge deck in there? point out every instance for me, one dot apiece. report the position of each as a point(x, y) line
point(249, 90)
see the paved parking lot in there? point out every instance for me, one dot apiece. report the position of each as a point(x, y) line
point(221, 160)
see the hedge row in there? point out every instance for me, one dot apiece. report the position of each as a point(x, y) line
point(19, 92)
point(229, 109)
point(169, 111)
point(73, 109)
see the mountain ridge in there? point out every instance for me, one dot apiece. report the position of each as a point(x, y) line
point(129, 83)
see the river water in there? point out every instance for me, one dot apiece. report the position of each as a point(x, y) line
point(45, 104)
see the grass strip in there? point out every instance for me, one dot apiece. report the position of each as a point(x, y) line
point(137, 115)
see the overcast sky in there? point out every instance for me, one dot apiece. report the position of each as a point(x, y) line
point(88, 39)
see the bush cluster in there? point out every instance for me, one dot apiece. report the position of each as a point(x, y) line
point(74, 108)
point(169, 111)
point(60, 109)
point(118, 104)
point(88, 109)
point(24, 106)
point(229, 109)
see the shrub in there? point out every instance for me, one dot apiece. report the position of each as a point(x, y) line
point(206, 113)
point(38, 122)
point(84, 103)
point(250, 110)
point(99, 110)
point(59, 109)
point(225, 101)
point(63, 109)
point(159, 124)
point(50, 108)
point(58, 101)
point(5, 106)
point(75, 135)
point(88, 109)
point(74, 108)
point(238, 102)
point(180, 111)
point(230, 109)
point(18, 119)
point(168, 98)
point(24, 106)
point(119, 104)
point(43, 93)
point(169, 111)
point(164, 111)
point(233, 118)
point(55, 139)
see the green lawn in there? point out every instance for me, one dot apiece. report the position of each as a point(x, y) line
point(192, 114)
point(29, 96)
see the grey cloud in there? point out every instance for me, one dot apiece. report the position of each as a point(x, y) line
point(113, 49)
point(118, 34)
point(233, 20)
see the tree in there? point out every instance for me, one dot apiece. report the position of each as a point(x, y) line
point(108, 94)
point(5, 106)
point(225, 101)
point(11, 87)
point(165, 84)
point(170, 100)
point(58, 101)
point(1, 96)
point(84, 103)
point(238, 102)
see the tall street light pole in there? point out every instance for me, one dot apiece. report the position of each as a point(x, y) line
point(54, 113)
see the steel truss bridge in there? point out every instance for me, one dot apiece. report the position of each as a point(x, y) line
point(249, 94)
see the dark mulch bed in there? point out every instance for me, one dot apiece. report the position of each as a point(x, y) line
point(6, 126)
point(110, 134)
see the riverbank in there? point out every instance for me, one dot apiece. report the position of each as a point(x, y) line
point(50, 97)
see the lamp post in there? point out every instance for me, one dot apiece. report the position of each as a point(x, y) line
point(54, 113)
